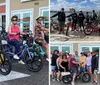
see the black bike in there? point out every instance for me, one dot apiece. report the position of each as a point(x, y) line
point(83, 76)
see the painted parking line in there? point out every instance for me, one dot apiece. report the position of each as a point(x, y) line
point(13, 75)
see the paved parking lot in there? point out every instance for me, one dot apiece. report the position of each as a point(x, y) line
point(20, 75)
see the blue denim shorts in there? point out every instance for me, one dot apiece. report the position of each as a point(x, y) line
point(82, 69)
point(88, 67)
point(73, 70)
point(53, 68)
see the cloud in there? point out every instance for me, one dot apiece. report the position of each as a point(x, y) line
point(83, 2)
point(82, 5)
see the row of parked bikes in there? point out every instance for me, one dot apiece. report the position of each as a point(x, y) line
point(89, 27)
point(31, 53)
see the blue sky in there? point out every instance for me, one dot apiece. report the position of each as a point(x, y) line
point(86, 5)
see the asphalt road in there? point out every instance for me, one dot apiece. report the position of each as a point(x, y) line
point(33, 78)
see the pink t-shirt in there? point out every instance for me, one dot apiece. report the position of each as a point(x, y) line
point(14, 29)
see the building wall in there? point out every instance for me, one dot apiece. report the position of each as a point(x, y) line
point(75, 45)
point(17, 5)
point(2, 1)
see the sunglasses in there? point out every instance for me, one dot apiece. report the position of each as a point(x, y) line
point(14, 20)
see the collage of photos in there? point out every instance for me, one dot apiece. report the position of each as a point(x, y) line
point(24, 42)
point(75, 42)
point(49, 42)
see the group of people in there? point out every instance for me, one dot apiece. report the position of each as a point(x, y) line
point(14, 38)
point(64, 61)
point(76, 19)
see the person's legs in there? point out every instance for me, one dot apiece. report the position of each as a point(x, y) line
point(89, 71)
point(95, 76)
point(63, 25)
point(74, 75)
point(83, 24)
point(16, 44)
point(73, 25)
point(60, 29)
point(53, 72)
point(47, 49)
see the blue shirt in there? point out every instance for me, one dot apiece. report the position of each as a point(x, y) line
point(76, 58)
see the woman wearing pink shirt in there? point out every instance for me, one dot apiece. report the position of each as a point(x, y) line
point(13, 35)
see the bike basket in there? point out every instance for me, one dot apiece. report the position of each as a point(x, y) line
point(65, 73)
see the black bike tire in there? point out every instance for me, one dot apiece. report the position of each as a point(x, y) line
point(83, 78)
point(85, 31)
point(66, 77)
point(10, 66)
point(31, 68)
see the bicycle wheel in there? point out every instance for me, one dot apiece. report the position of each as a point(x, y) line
point(5, 64)
point(34, 62)
point(88, 30)
point(86, 77)
point(67, 79)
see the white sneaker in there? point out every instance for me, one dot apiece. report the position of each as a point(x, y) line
point(47, 59)
point(72, 83)
point(16, 57)
point(21, 62)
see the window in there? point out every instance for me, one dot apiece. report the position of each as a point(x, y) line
point(54, 48)
point(25, 19)
point(44, 11)
point(62, 48)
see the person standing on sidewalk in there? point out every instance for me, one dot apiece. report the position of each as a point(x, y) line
point(88, 63)
point(94, 67)
point(73, 67)
point(87, 17)
point(82, 60)
point(74, 19)
point(61, 19)
point(53, 63)
point(81, 18)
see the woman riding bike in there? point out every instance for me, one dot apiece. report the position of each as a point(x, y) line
point(39, 35)
point(13, 35)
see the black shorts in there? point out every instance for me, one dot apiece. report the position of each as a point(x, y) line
point(94, 70)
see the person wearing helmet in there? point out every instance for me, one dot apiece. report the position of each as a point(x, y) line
point(81, 18)
point(87, 17)
point(61, 19)
point(94, 15)
point(74, 19)
point(39, 35)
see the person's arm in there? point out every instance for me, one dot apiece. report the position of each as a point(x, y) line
point(55, 15)
point(57, 63)
point(22, 33)
point(85, 61)
point(74, 62)
point(69, 15)
point(44, 29)
point(9, 31)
